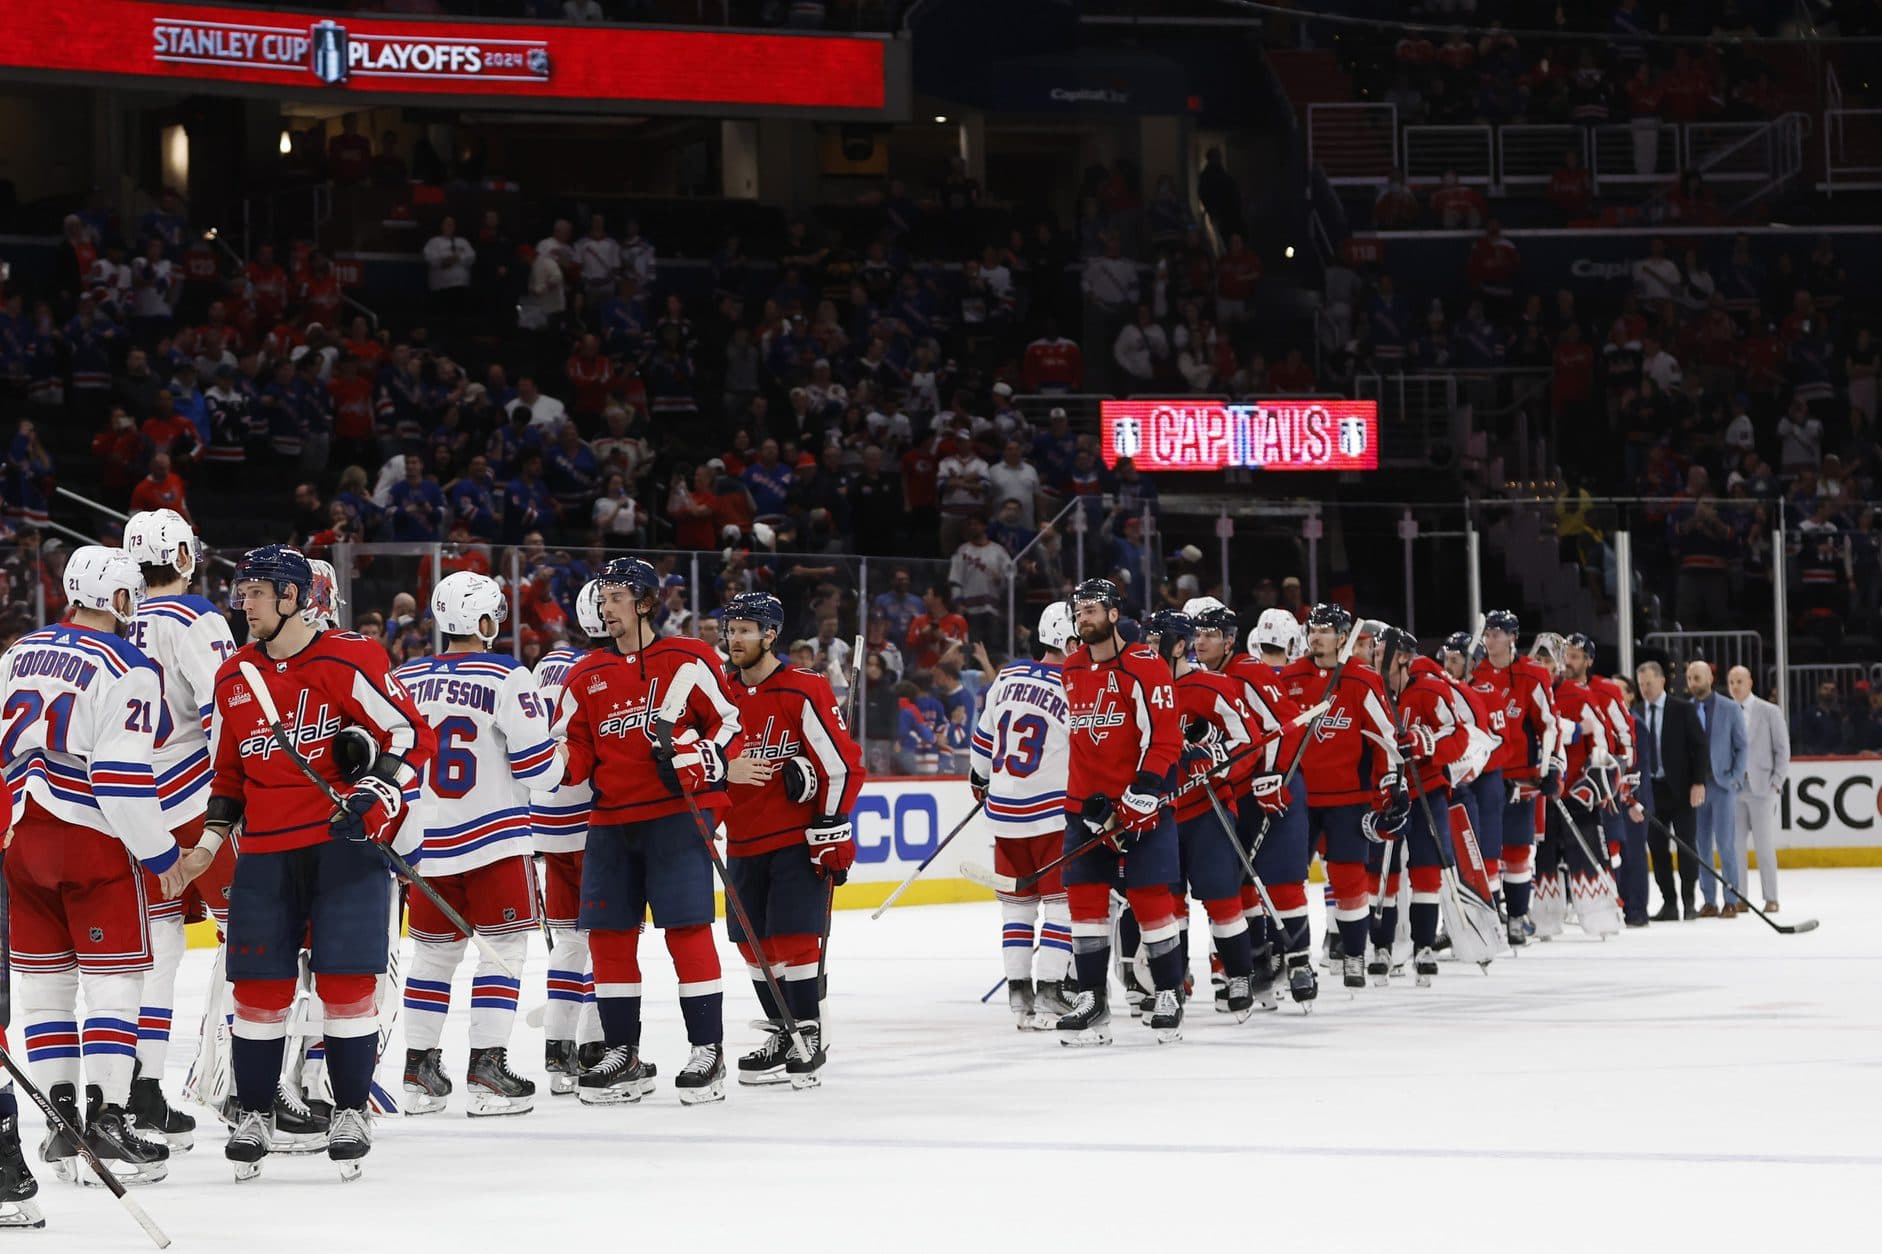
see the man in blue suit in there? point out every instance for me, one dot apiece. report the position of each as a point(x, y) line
point(1716, 824)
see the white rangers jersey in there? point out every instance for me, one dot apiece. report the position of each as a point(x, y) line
point(559, 814)
point(188, 639)
point(81, 715)
point(493, 742)
point(1020, 748)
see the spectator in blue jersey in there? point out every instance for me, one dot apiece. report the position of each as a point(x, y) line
point(527, 504)
point(510, 443)
point(769, 481)
point(915, 748)
point(899, 605)
point(354, 496)
point(417, 508)
point(574, 475)
point(1008, 530)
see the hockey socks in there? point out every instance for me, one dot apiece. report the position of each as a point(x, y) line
point(57, 1037)
point(1016, 938)
point(167, 943)
point(702, 999)
point(794, 966)
point(571, 986)
point(617, 985)
point(1352, 901)
point(428, 991)
point(1234, 939)
point(1055, 942)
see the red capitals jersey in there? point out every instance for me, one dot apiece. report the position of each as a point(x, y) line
point(1204, 696)
point(1123, 723)
point(1341, 766)
point(609, 702)
point(341, 679)
point(1572, 700)
point(1426, 702)
point(1611, 704)
point(1520, 711)
point(1272, 708)
point(790, 713)
point(1467, 705)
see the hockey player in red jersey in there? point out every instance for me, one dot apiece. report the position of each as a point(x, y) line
point(1570, 863)
point(84, 713)
point(1518, 690)
point(1432, 743)
point(1216, 725)
point(1125, 740)
point(644, 850)
point(1273, 815)
point(1352, 791)
point(1622, 779)
point(787, 832)
point(303, 869)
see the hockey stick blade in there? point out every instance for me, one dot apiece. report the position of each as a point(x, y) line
point(1705, 864)
point(928, 861)
point(987, 877)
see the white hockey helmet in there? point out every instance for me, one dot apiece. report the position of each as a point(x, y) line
point(1056, 626)
point(323, 598)
point(160, 537)
point(463, 600)
point(588, 610)
point(94, 576)
point(1196, 606)
point(1278, 629)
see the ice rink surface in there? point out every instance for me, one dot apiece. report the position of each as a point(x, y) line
point(1708, 1082)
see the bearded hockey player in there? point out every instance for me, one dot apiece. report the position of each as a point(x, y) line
point(1353, 792)
point(1124, 742)
point(305, 870)
point(1574, 850)
point(1516, 691)
point(472, 812)
point(644, 849)
point(559, 815)
point(787, 834)
point(188, 639)
point(1017, 772)
point(86, 712)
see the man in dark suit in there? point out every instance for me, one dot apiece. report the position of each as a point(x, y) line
point(1673, 742)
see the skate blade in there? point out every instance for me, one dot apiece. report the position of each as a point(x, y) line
point(298, 1143)
point(614, 1097)
point(714, 1092)
point(350, 1169)
point(20, 1214)
point(417, 1102)
point(1168, 1036)
point(135, 1177)
point(1424, 980)
point(810, 1081)
point(247, 1171)
point(1085, 1038)
point(775, 1075)
point(1243, 1015)
point(492, 1105)
point(1379, 981)
point(561, 1085)
point(64, 1170)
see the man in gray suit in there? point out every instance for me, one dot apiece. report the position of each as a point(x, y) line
point(1715, 825)
point(1767, 765)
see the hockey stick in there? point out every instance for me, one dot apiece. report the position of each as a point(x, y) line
point(986, 877)
point(1587, 851)
point(542, 904)
point(1242, 855)
point(392, 856)
point(829, 881)
point(1788, 929)
point(1327, 697)
point(670, 711)
point(57, 1122)
point(928, 861)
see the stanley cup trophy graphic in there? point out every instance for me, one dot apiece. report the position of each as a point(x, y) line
point(330, 59)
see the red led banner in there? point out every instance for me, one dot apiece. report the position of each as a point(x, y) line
point(1280, 434)
point(394, 56)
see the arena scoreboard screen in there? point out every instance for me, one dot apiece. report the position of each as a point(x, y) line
point(1286, 433)
point(124, 42)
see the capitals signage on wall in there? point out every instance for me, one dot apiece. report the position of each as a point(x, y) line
point(202, 44)
point(1279, 434)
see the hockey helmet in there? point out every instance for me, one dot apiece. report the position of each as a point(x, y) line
point(95, 574)
point(588, 610)
point(1277, 629)
point(1456, 642)
point(1503, 620)
point(463, 600)
point(1101, 590)
point(1174, 631)
point(1548, 646)
point(160, 537)
point(323, 599)
point(1055, 628)
point(1196, 606)
point(1583, 641)
point(1395, 642)
point(280, 565)
point(755, 607)
point(631, 573)
point(1327, 616)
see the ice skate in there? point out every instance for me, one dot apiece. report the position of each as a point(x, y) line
point(125, 1154)
point(1379, 966)
point(491, 1088)
point(251, 1142)
point(17, 1186)
point(803, 1072)
point(57, 1149)
point(558, 1059)
point(1089, 1022)
point(1239, 999)
point(349, 1141)
point(298, 1128)
point(1425, 964)
point(1166, 1016)
point(1050, 1004)
point(1136, 996)
point(153, 1116)
point(1019, 999)
point(765, 1065)
point(1303, 985)
point(702, 1079)
point(1519, 931)
point(1353, 971)
point(427, 1088)
point(619, 1077)
point(1219, 984)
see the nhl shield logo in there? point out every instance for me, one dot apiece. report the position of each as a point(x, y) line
point(1352, 436)
point(330, 52)
point(97, 936)
point(509, 914)
point(1127, 437)
point(538, 61)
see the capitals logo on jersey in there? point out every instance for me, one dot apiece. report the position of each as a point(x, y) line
point(1332, 723)
point(1098, 721)
point(784, 746)
point(625, 718)
point(308, 735)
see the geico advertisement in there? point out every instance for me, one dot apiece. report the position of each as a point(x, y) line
point(1830, 802)
point(898, 823)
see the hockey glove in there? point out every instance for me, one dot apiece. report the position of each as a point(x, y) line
point(800, 780)
point(1550, 781)
point(367, 813)
point(694, 767)
point(1380, 825)
point(1269, 794)
point(1141, 805)
point(832, 848)
point(1416, 742)
point(1583, 794)
point(977, 784)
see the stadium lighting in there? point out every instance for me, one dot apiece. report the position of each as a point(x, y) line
point(286, 144)
point(1288, 252)
point(940, 119)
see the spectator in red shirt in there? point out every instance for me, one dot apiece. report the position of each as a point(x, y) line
point(1052, 363)
point(1293, 374)
point(921, 471)
point(1571, 188)
point(590, 377)
point(353, 442)
point(1573, 382)
point(936, 630)
point(119, 452)
point(320, 295)
point(1686, 91)
point(161, 488)
point(1236, 277)
point(1492, 269)
point(349, 154)
point(1397, 205)
point(267, 285)
point(1456, 206)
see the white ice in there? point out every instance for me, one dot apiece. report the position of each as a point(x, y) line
point(1707, 1083)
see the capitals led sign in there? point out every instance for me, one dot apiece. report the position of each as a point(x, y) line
point(1279, 434)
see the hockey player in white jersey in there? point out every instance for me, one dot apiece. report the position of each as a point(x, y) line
point(187, 637)
point(1018, 767)
point(559, 815)
point(84, 711)
point(472, 807)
